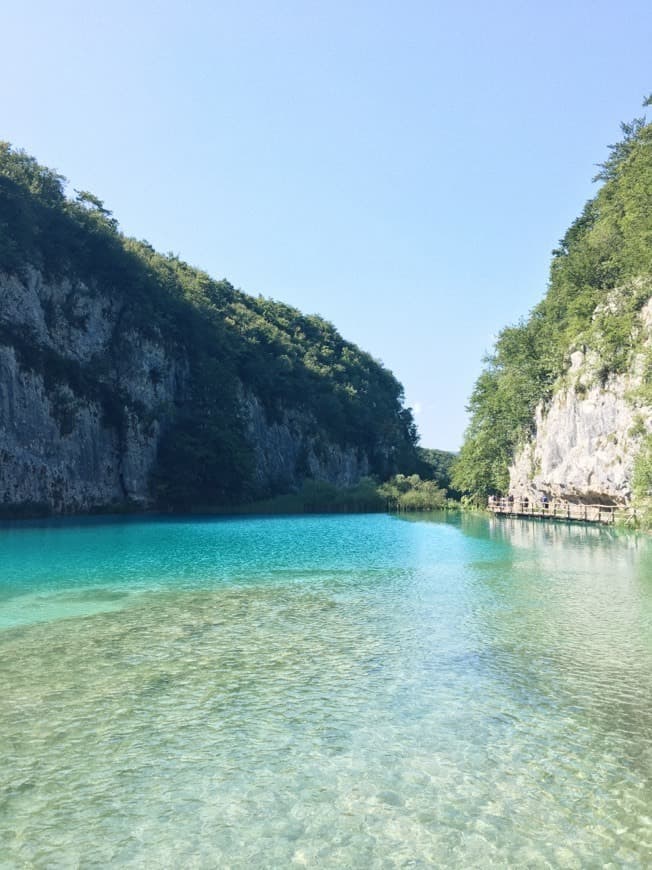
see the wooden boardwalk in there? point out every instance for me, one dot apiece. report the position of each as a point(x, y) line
point(554, 510)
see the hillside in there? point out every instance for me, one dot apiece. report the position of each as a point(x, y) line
point(564, 403)
point(131, 378)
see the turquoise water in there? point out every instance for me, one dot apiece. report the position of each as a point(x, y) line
point(340, 691)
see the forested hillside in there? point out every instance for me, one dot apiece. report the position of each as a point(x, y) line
point(600, 281)
point(230, 366)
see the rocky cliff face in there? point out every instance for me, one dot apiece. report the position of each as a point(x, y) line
point(84, 401)
point(81, 405)
point(290, 449)
point(587, 438)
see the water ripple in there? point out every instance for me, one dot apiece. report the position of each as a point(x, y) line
point(370, 693)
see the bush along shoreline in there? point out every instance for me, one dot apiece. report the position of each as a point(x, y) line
point(401, 493)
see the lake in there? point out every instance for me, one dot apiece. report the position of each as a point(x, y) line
point(360, 691)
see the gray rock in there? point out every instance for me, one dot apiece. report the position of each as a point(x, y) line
point(58, 450)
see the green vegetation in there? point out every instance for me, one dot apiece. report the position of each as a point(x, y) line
point(399, 493)
point(413, 494)
point(228, 338)
point(316, 496)
point(437, 465)
point(600, 277)
point(642, 482)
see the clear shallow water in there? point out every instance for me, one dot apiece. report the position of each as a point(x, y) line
point(351, 692)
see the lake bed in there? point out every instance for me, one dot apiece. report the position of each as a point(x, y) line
point(325, 691)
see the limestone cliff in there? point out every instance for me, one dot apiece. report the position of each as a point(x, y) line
point(290, 449)
point(84, 401)
point(130, 378)
point(587, 437)
point(60, 446)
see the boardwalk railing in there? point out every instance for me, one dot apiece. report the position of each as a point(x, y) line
point(555, 509)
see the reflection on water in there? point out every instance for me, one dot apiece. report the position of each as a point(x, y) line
point(357, 691)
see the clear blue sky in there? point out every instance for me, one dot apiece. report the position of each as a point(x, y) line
point(403, 169)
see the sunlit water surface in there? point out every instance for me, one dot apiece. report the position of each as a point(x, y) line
point(350, 692)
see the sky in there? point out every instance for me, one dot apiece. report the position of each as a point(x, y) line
point(402, 169)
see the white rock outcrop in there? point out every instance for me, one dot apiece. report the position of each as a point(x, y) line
point(587, 437)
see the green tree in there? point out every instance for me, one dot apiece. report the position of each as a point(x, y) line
point(607, 250)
